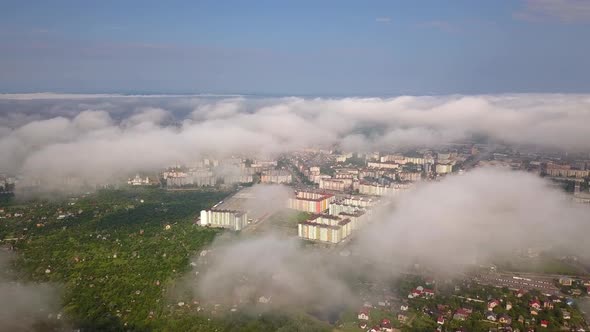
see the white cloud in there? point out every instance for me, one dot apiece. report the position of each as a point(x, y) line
point(568, 11)
point(106, 137)
point(447, 226)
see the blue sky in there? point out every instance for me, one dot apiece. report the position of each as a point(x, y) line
point(296, 47)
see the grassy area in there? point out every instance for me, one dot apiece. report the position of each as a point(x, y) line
point(117, 254)
point(288, 217)
point(283, 221)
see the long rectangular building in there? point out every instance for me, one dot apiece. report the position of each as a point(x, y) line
point(336, 184)
point(276, 176)
point(324, 228)
point(310, 202)
point(231, 219)
point(381, 190)
point(388, 165)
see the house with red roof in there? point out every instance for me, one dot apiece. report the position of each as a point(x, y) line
point(386, 325)
point(535, 304)
point(492, 304)
point(415, 293)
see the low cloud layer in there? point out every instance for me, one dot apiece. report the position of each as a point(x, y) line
point(273, 267)
point(476, 217)
point(446, 226)
point(24, 304)
point(569, 11)
point(98, 139)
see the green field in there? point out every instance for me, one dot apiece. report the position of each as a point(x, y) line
point(115, 255)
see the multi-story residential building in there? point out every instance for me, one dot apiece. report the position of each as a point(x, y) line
point(388, 165)
point(381, 190)
point(324, 228)
point(264, 163)
point(397, 158)
point(371, 173)
point(234, 220)
point(238, 178)
point(276, 176)
point(356, 218)
point(410, 176)
point(336, 208)
point(346, 173)
point(359, 201)
point(336, 184)
point(561, 172)
point(310, 201)
point(418, 160)
point(444, 168)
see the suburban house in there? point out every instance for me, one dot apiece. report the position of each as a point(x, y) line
point(491, 316)
point(386, 325)
point(535, 304)
point(492, 304)
point(565, 281)
point(363, 314)
point(505, 319)
point(462, 314)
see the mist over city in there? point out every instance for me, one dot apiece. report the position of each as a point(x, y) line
point(298, 166)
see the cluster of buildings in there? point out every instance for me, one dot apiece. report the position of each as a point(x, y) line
point(567, 170)
point(413, 166)
point(212, 172)
point(377, 173)
point(141, 181)
point(333, 220)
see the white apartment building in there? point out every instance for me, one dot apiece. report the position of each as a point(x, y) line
point(276, 176)
point(234, 220)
